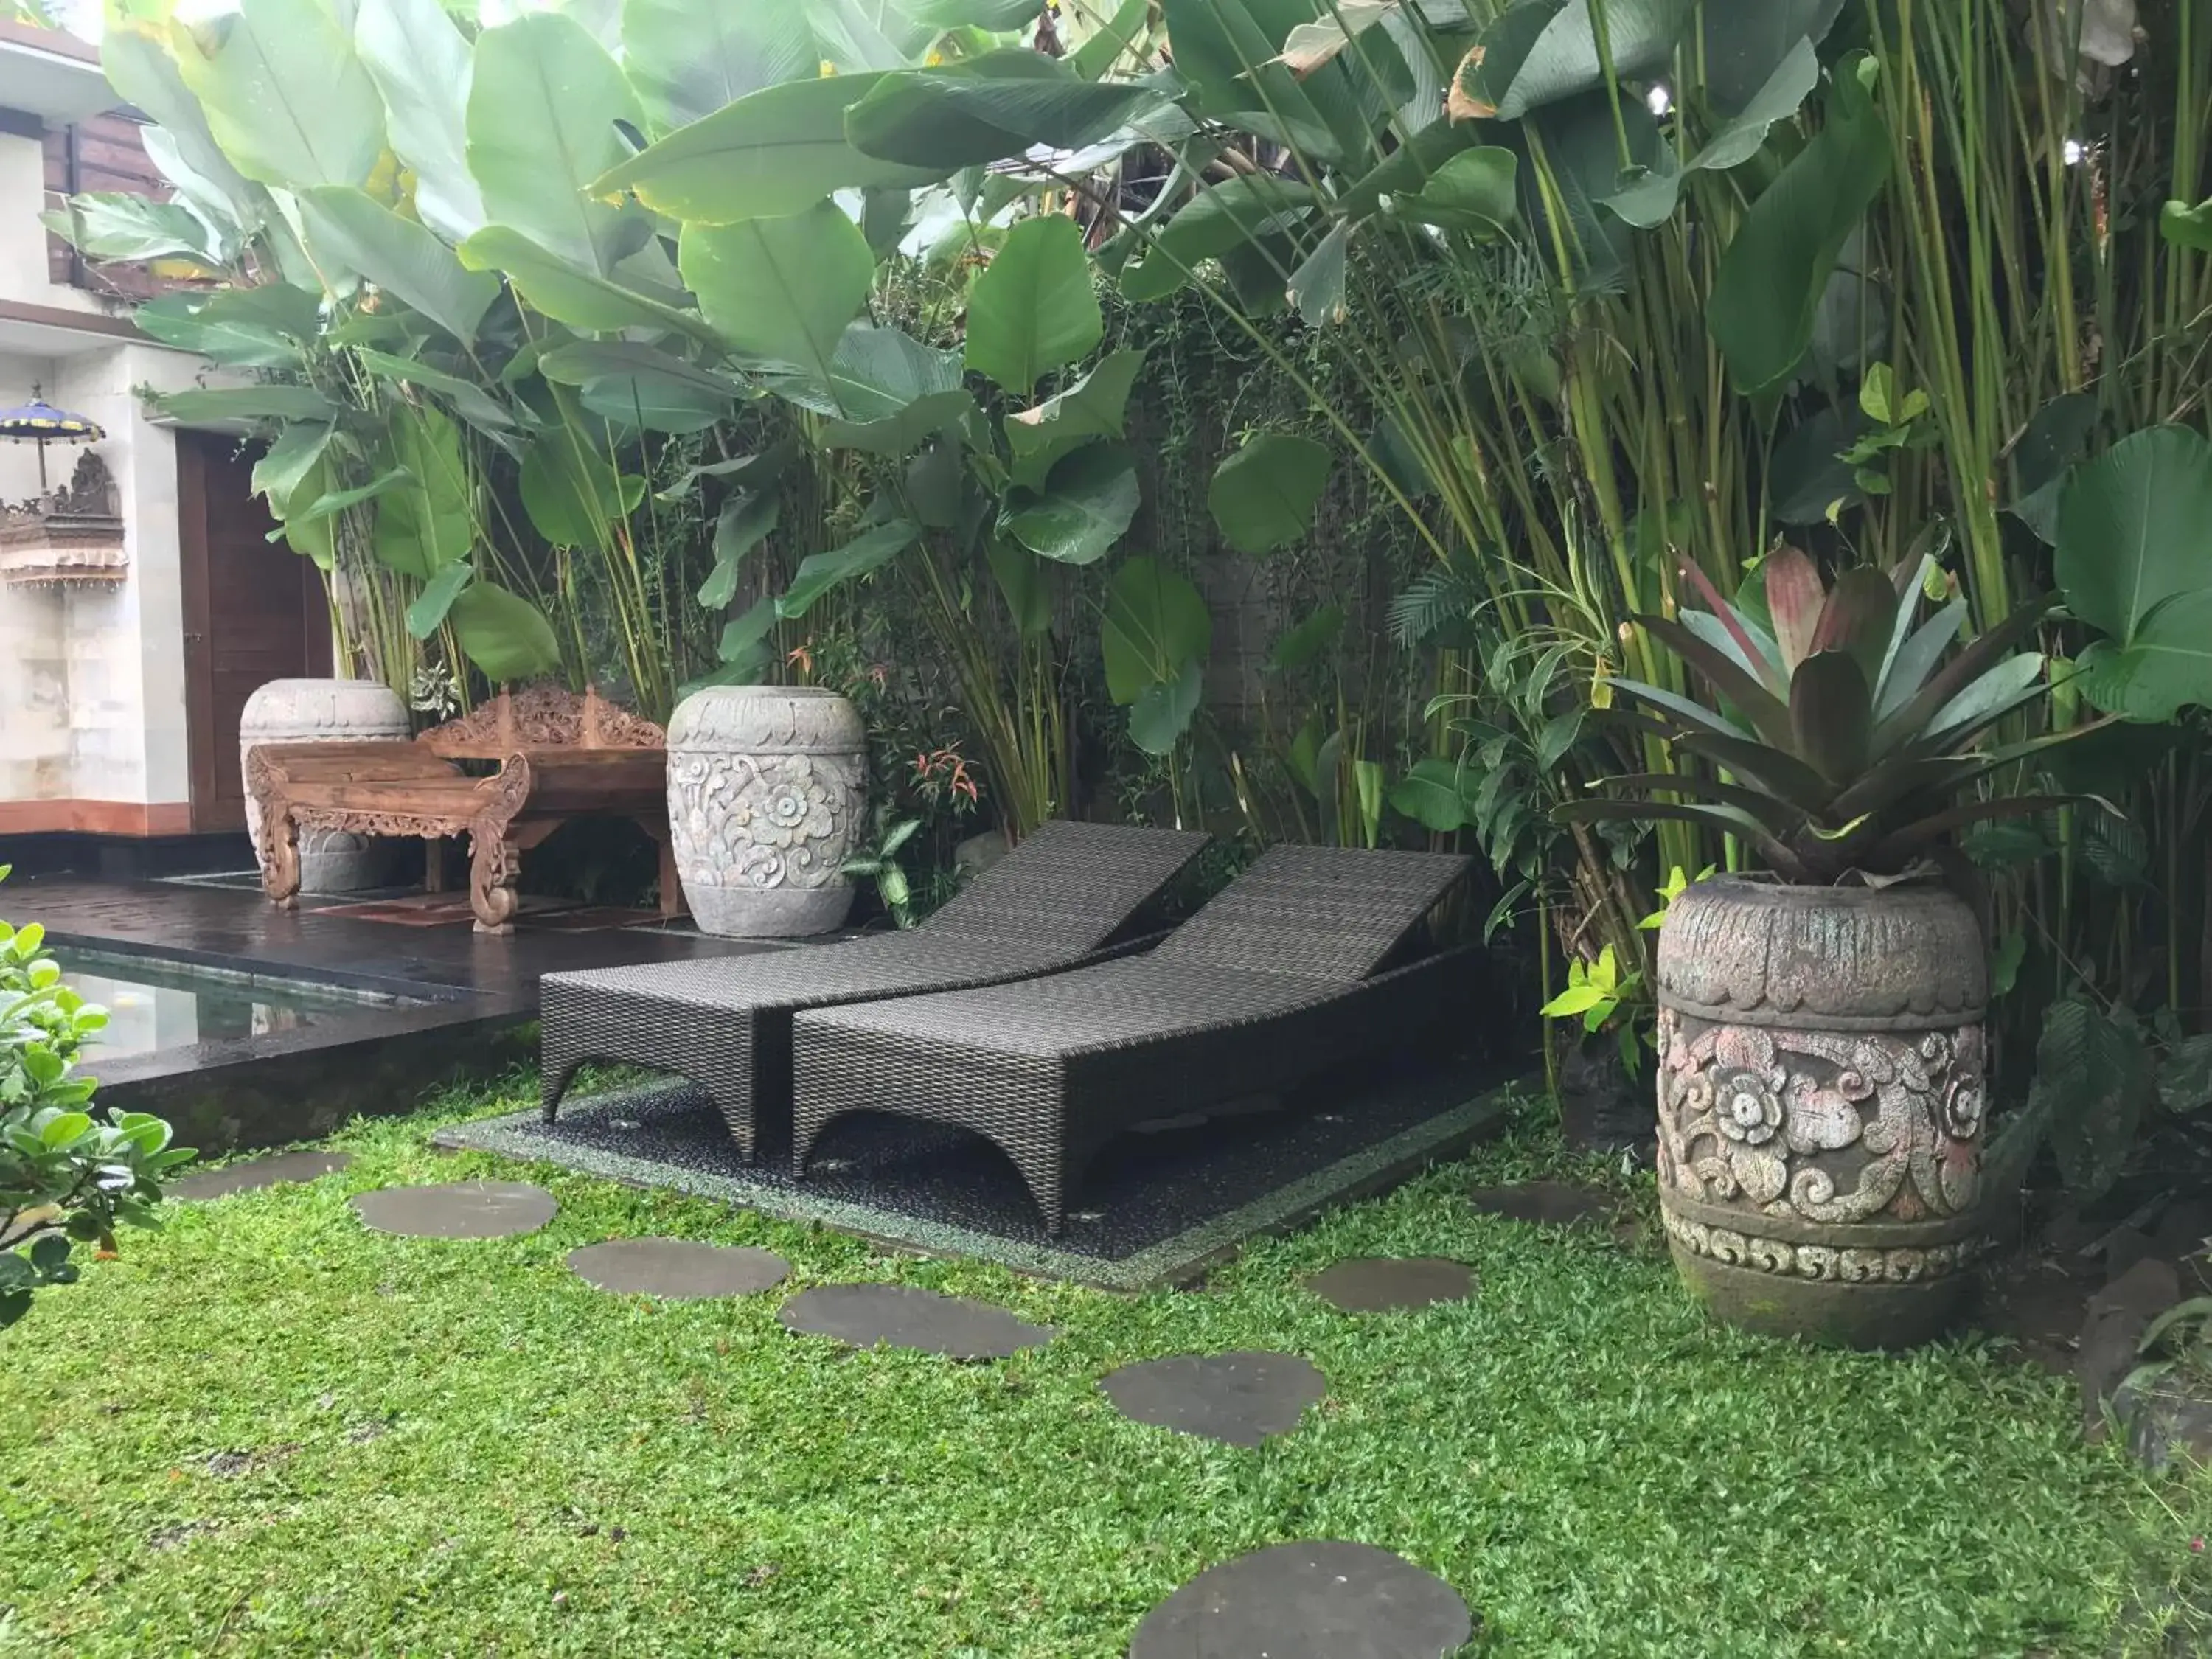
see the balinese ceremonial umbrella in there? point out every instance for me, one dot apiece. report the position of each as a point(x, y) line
point(39, 422)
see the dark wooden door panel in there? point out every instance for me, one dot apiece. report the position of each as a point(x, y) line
point(253, 613)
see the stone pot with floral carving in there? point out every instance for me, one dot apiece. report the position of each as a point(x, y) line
point(325, 711)
point(1821, 1104)
point(767, 793)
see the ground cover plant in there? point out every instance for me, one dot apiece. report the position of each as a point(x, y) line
point(268, 1431)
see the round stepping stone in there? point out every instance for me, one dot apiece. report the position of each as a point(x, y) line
point(865, 1315)
point(254, 1174)
point(1308, 1600)
point(1384, 1284)
point(677, 1269)
point(461, 1209)
point(1239, 1399)
point(1547, 1203)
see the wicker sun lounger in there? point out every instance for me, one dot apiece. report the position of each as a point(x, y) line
point(725, 1022)
point(1273, 980)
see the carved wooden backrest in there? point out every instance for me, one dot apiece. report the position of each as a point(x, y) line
point(542, 717)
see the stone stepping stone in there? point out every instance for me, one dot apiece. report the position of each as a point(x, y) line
point(257, 1173)
point(1547, 1204)
point(677, 1269)
point(1387, 1284)
point(1308, 1601)
point(460, 1209)
point(905, 1317)
point(1238, 1399)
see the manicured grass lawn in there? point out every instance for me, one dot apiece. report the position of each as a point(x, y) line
point(460, 1447)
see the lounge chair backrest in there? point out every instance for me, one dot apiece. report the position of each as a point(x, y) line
point(1074, 883)
point(1324, 913)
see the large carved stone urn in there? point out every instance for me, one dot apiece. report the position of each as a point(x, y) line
point(767, 792)
point(1821, 1106)
point(324, 711)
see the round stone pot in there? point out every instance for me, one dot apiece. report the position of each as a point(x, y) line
point(1821, 1106)
point(325, 711)
point(767, 792)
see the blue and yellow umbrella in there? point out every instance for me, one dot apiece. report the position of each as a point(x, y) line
point(39, 422)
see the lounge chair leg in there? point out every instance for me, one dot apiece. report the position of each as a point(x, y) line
point(554, 1076)
point(1047, 1182)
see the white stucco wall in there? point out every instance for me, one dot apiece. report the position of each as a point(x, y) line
point(24, 272)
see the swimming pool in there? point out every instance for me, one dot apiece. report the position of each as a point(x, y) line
point(155, 1006)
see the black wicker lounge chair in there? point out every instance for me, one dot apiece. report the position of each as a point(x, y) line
point(725, 1022)
point(1273, 980)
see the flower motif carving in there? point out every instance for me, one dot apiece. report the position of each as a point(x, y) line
point(1820, 1125)
point(765, 822)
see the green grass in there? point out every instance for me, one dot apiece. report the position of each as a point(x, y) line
point(459, 1448)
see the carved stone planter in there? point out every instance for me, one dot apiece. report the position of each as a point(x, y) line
point(324, 711)
point(767, 789)
point(1821, 1106)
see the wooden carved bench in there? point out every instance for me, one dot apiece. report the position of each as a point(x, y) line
point(560, 757)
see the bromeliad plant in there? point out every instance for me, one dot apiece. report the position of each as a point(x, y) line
point(1846, 743)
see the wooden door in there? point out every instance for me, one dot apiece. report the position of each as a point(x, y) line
point(254, 612)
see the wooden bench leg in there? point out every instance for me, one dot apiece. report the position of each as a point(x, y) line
point(280, 847)
point(671, 884)
point(494, 863)
point(434, 864)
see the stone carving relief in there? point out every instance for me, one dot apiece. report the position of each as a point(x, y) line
point(1819, 1126)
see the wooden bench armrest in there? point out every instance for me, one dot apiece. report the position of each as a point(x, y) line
point(302, 763)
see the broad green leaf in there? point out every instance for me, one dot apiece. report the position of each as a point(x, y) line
point(781, 291)
point(1307, 640)
point(1544, 51)
point(1156, 624)
point(2167, 666)
point(898, 436)
point(469, 401)
point(1022, 579)
point(294, 453)
point(1474, 191)
point(428, 613)
point(2187, 227)
point(1096, 406)
point(2056, 438)
point(568, 294)
point(571, 492)
point(1162, 713)
point(1430, 795)
point(2134, 529)
point(1085, 508)
point(1227, 57)
point(1773, 273)
point(775, 152)
point(1310, 45)
point(742, 637)
point(247, 402)
point(338, 501)
point(284, 94)
point(1746, 41)
point(1244, 210)
point(937, 485)
point(2094, 1078)
point(990, 109)
point(688, 59)
point(422, 64)
point(1317, 288)
point(998, 17)
point(135, 57)
point(745, 523)
point(544, 98)
point(855, 36)
point(503, 633)
point(1263, 496)
point(1116, 36)
point(1651, 200)
point(104, 225)
point(879, 371)
point(399, 256)
point(622, 380)
point(1033, 310)
point(198, 323)
point(314, 538)
point(429, 523)
point(820, 572)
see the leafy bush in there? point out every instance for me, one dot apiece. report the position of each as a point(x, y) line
point(67, 1174)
